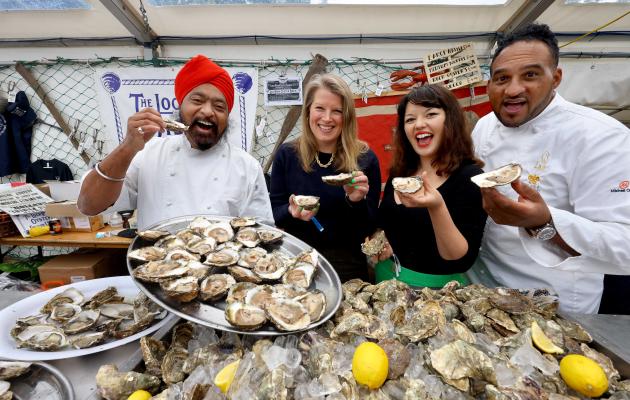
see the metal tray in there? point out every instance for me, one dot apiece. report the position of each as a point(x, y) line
point(42, 382)
point(212, 315)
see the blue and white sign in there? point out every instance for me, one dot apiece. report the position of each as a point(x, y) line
point(124, 91)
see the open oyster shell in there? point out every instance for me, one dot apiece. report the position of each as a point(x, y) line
point(175, 126)
point(157, 271)
point(81, 322)
point(220, 231)
point(271, 267)
point(259, 296)
point(248, 237)
point(300, 275)
point(41, 337)
point(13, 369)
point(216, 286)
point(64, 312)
point(222, 258)
point(500, 176)
point(87, 339)
point(70, 295)
point(375, 245)
point(240, 222)
point(306, 202)
point(288, 315)
point(268, 236)
point(250, 256)
point(338, 180)
point(409, 184)
point(245, 316)
point(182, 289)
point(153, 235)
point(238, 291)
point(314, 302)
point(144, 254)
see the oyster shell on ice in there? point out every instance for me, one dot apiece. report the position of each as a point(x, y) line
point(271, 267)
point(288, 314)
point(157, 271)
point(409, 184)
point(250, 256)
point(41, 337)
point(268, 236)
point(215, 287)
point(173, 364)
point(220, 231)
point(144, 254)
point(306, 202)
point(245, 316)
point(87, 339)
point(222, 258)
point(70, 295)
point(240, 222)
point(183, 289)
point(500, 176)
point(301, 274)
point(338, 180)
point(248, 237)
point(13, 369)
point(243, 274)
point(112, 384)
point(375, 245)
point(153, 352)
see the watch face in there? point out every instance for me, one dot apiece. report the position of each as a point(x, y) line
point(546, 233)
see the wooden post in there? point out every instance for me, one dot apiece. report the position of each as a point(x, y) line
point(34, 84)
point(317, 67)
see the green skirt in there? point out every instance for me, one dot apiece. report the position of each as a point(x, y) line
point(384, 270)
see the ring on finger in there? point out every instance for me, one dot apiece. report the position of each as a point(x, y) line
point(140, 131)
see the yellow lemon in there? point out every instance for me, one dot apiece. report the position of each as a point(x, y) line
point(583, 375)
point(543, 342)
point(224, 378)
point(140, 395)
point(370, 365)
point(38, 230)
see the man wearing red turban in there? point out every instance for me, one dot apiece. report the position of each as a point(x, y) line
point(197, 172)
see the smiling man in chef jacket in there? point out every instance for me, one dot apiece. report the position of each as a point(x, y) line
point(566, 222)
point(197, 172)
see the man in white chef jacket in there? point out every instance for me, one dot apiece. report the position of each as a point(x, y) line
point(197, 172)
point(566, 222)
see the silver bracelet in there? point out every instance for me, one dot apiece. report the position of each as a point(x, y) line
point(102, 175)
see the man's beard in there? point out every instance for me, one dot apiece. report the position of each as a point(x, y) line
point(202, 142)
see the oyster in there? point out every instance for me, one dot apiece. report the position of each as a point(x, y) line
point(250, 256)
point(409, 184)
point(170, 242)
point(41, 337)
point(259, 296)
point(153, 235)
point(248, 237)
point(87, 339)
point(203, 246)
point(238, 291)
point(314, 302)
point(222, 258)
point(181, 255)
point(188, 236)
point(183, 289)
point(114, 385)
point(70, 295)
point(117, 310)
point(244, 316)
point(220, 231)
point(338, 180)
point(308, 256)
point(215, 287)
point(306, 202)
point(375, 245)
point(271, 267)
point(197, 269)
point(173, 364)
point(81, 322)
point(240, 222)
point(288, 315)
point(500, 176)
point(65, 311)
point(175, 126)
point(5, 393)
point(199, 225)
point(104, 296)
point(13, 369)
point(153, 352)
point(243, 274)
point(288, 291)
point(145, 254)
point(269, 236)
point(157, 271)
point(300, 275)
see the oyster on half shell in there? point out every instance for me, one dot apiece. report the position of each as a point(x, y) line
point(182, 289)
point(145, 254)
point(300, 275)
point(248, 237)
point(288, 314)
point(41, 337)
point(338, 180)
point(409, 184)
point(70, 295)
point(245, 316)
point(306, 202)
point(500, 176)
point(215, 286)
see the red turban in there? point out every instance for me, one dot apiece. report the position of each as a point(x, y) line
point(199, 70)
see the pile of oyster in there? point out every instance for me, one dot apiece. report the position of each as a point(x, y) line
point(452, 343)
point(71, 320)
point(10, 370)
point(215, 260)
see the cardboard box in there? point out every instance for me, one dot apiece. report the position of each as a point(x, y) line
point(82, 265)
point(72, 219)
point(64, 190)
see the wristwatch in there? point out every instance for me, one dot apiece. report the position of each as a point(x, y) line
point(544, 232)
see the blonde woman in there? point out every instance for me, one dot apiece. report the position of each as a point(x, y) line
point(328, 145)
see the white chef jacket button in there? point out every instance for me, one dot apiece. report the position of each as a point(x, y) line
point(168, 204)
point(215, 178)
point(177, 148)
point(208, 207)
point(222, 155)
point(172, 173)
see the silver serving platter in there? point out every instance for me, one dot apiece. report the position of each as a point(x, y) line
point(41, 382)
point(212, 315)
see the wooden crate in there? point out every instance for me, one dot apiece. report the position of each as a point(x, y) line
point(7, 227)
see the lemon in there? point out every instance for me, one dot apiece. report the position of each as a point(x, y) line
point(543, 342)
point(583, 375)
point(140, 395)
point(224, 378)
point(38, 230)
point(370, 365)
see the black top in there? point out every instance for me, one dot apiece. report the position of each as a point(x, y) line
point(410, 232)
point(346, 224)
point(48, 170)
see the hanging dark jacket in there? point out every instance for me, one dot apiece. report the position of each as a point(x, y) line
point(16, 131)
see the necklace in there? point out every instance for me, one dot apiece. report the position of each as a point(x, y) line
point(332, 157)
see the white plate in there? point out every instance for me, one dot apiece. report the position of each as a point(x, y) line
point(32, 304)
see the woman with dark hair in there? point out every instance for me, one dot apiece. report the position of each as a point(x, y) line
point(328, 145)
point(435, 232)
